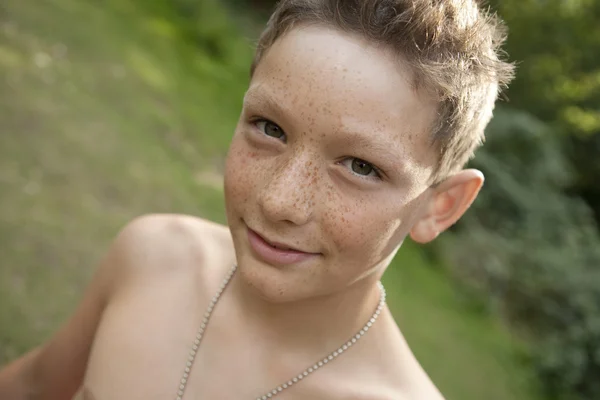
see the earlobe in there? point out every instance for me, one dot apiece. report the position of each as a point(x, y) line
point(452, 198)
point(424, 231)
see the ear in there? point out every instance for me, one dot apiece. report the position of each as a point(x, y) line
point(449, 201)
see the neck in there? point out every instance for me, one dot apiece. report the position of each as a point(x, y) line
point(319, 323)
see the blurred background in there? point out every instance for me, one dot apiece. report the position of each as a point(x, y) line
point(113, 109)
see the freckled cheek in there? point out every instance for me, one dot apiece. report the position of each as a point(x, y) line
point(359, 232)
point(247, 170)
point(240, 173)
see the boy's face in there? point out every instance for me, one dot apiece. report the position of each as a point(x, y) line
point(331, 157)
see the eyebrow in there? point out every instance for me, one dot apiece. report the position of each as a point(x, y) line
point(266, 99)
point(380, 150)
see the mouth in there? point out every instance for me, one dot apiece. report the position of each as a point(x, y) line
point(277, 245)
point(276, 253)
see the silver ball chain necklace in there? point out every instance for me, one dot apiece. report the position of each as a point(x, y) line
point(275, 391)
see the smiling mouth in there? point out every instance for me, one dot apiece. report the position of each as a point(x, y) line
point(279, 246)
point(275, 253)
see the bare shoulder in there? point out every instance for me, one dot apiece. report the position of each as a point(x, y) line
point(410, 380)
point(395, 384)
point(147, 254)
point(170, 228)
point(389, 371)
point(422, 388)
point(154, 244)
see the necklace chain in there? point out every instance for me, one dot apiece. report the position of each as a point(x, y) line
point(275, 391)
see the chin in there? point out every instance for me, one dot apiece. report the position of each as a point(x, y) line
point(273, 284)
point(279, 284)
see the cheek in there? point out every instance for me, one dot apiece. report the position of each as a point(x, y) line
point(239, 179)
point(363, 228)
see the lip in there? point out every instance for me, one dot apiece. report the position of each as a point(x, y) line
point(271, 255)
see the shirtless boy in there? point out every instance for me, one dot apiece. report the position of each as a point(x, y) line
point(358, 120)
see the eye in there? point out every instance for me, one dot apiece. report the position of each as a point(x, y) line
point(362, 168)
point(270, 129)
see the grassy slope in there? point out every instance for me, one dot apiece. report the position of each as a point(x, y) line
point(104, 115)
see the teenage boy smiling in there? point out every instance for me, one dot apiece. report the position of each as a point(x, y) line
point(358, 120)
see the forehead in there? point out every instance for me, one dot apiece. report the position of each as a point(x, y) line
point(342, 83)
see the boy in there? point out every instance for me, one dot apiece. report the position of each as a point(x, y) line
point(359, 117)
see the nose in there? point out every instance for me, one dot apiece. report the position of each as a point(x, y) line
point(290, 191)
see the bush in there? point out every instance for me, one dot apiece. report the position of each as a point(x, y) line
point(535, 252)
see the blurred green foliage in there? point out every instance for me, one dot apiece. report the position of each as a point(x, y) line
point(557, 46)
point(532, 238)
point(106, 112)
point(534, 253)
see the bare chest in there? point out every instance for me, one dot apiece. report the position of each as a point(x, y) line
point(143, 344)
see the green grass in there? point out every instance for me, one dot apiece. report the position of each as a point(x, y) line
point(114, 111)
point(468, 355)
point(101, 119)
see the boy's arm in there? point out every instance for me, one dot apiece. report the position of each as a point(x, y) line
point(55, 370)
point(14, 382)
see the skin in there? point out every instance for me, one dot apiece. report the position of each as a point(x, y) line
point(323, 112)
